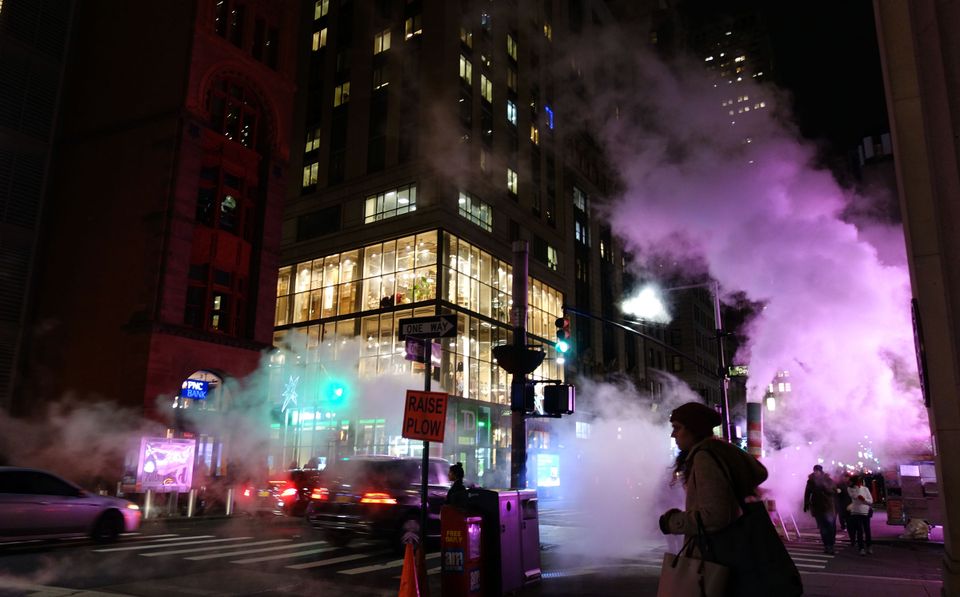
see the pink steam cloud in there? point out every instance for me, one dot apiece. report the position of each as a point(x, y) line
point(742, 196)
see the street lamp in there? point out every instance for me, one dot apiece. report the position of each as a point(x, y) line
point(647, 305)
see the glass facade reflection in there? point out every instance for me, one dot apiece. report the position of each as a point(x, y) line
point(346, 308)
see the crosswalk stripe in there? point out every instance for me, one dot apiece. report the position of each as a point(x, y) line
point(817, 560)
point(262, 549)
point(802, 565)
point(133, 547)
point(215, 547)
point(154, 537)
point(384, 566)
point(296, 554)
point(337, 560)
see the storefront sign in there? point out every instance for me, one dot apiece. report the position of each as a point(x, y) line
point(195, 389)
point(166, 464)
point(425, 415)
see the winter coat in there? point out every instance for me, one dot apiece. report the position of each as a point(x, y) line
point(819, 494)
point(709, 490)
point(857, 506)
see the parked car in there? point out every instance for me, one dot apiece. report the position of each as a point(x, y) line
point(377, 497)
point(36, 504)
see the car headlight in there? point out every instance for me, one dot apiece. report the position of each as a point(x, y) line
point(133, 507)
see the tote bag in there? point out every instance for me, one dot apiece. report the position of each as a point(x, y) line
point(758, 560)
point(682, 575)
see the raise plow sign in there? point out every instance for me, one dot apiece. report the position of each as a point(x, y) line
point(425, 415)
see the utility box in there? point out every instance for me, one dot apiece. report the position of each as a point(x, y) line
point(461, 548)
point(511, 538)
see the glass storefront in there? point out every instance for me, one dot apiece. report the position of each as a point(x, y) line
point(347, 307)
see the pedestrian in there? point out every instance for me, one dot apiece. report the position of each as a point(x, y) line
point(841, 501)
point(860, 510)
point(457, 494)
point(819, 500)
point(708, 489)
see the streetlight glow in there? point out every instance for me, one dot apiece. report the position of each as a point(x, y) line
point(647, 305)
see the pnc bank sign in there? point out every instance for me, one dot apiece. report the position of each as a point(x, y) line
point(195, 389)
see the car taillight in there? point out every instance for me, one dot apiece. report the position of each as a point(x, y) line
point(289, 492)
point(374, 497)
point(320, 493)
point(246, 492)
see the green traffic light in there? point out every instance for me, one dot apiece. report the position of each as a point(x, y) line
point(562, 346)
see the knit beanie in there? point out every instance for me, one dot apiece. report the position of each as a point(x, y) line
point(700, 419)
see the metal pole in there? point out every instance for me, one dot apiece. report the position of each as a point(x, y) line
point(518, 442)
point(425, 464)
point(722, 373)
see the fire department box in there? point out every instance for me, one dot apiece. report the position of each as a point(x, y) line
point(460, 562)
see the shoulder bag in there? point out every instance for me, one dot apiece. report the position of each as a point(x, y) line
point(750, 546)
point(683, 575)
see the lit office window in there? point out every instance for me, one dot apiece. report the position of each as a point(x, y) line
point(548, 31)
point(320, 8)
point(390, 203)
point(534, 134)
point(319, 39)
point(310, 174)
point(486, 88)
point(466, 37)
point(466, 70)
point(511, 181)
point(553, 259)
point(381, 41)
point(579, 199)
point(511, 47)
point(412, 27)
point(512, 112)
point(341, 94)
point(476, 211)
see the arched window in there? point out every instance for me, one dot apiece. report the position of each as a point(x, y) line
point(235, 112)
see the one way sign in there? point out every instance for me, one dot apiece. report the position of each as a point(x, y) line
point(438, 326)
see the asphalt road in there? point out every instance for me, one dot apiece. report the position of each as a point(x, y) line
point(282, 556)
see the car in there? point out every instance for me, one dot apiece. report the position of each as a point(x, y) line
point(377, 497)
point(296, 491)
point(36, 504)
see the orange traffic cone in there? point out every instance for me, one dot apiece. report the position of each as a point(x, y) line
point(409, 586)
point(422, 571)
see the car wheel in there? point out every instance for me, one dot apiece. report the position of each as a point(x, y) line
point(108, 527)
point(338, 538)
point(409, 532)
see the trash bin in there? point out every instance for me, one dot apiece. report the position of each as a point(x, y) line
point(511, 538)
point(461, 565)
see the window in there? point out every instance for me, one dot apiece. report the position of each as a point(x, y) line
point(534, 134)
point(511, 47)
point(549, 112)
point(466, 37)
point(390, 203)
point(512, 80)
point(319, 39)
point(234, 112)
point(466, 70)
point(579, 199)
point(476, 211)
point(379, 78)
point(486, 23)
point(313, 140)
point(677, 363)
point(318, 223)
point(548, 30)
point(412, 27)
point(512, 112)
point(583, 430)
point(320, 8)
point(486, 88)
point(381, 41)
point(310, 173)
point(511, 181)
point(581, 232)
point(341, 94)
point(553, 260)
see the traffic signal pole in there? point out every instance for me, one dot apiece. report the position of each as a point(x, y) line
point(518, 315)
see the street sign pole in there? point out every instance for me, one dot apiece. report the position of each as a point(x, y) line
point(425, 465)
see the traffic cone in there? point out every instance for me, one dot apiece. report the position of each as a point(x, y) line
point(422, 571)
point(409, 586)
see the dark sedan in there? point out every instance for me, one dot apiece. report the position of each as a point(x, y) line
point(377, 497)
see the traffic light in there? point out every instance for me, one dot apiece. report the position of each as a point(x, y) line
point(563, 335)
point(559, 399)
point(336, 391)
